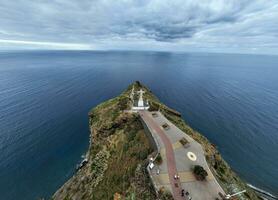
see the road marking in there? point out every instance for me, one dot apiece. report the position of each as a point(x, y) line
point(189, 177)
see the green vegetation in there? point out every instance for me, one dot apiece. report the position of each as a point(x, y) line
point(165, 195)
point(184, 141)
point(165, 126)
point(200, 172)
point(158, 159)
point(117, 156)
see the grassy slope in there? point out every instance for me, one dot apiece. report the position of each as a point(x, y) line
point(117, 157)
point(118, 152)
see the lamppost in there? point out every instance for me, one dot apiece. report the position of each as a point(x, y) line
point(228, 196)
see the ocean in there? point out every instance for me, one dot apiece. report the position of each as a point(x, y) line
point(45, 97)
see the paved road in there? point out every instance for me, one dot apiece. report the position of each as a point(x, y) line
point(170, 156)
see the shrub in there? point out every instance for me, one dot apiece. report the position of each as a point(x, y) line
point(184, 141)
point(165, 126)
point(158, 159)
point(142, 155)
point(153, 106)
point(131, 135)
point(164, 194)
point(126, 146)
point(123, 103)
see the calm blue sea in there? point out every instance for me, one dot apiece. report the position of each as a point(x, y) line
point(45, 97)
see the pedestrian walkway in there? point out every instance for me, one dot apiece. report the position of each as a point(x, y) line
point(179, 160)
point(170, 157)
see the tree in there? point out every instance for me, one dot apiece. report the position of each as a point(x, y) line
point(200, 172)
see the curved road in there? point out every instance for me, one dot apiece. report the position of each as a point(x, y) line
point(171, 163)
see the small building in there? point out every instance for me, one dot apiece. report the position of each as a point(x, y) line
point(151, 166)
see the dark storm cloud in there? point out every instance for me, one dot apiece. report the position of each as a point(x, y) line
point(125, 23)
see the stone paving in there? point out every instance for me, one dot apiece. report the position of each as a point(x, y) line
point(183, 161)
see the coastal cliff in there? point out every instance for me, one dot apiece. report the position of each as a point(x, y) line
point(116, 161)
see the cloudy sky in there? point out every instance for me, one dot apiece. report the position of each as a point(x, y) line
point(167, 25)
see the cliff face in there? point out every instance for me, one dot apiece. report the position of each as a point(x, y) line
point(118, 152)
point(116, 157)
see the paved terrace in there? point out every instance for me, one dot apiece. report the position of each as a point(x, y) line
point(179, 160)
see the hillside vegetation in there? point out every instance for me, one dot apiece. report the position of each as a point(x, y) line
point(118, 151)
